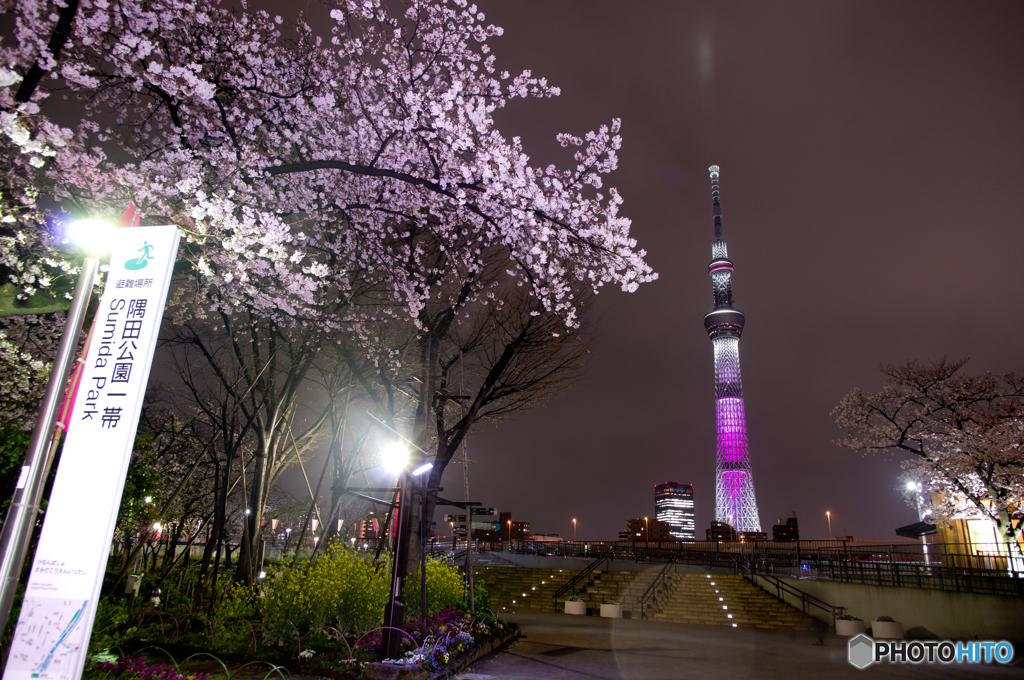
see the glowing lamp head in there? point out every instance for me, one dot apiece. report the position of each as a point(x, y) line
point(394, 457)
point(95, 236)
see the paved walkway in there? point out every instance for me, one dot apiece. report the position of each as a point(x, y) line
point(563, 647)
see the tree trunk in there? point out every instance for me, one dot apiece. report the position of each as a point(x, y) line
point(1004, 526)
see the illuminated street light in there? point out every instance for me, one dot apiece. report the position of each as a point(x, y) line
point(509, 531)
point(828, 514)
point(573, 529)
point(922, 513)
point(96, 238)
point(394, 457)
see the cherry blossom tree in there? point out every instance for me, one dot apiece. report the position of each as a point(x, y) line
point(295, 163)
point(964, 434)
point(341, 185)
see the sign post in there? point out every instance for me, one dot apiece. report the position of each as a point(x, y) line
point(52, 635)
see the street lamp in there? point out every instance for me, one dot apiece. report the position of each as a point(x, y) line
point(573, 529)
point(96, 238)
point(395, 460)
point(828, 514)
point(509, 531)
point(394, 457)
point(916, 488)
point(647, 530)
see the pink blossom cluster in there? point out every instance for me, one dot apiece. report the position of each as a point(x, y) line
point(317, 174)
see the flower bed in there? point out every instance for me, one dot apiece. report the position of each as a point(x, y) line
point(137, 667)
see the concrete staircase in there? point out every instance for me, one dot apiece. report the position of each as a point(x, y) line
point(724, 600)
point(631, 597)
point(517, 588)
point(606, 586)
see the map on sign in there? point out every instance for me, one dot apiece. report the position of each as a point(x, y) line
point(49, 639)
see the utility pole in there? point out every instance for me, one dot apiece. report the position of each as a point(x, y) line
point(465, 478)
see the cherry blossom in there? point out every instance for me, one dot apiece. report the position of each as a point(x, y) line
point(304, 167)
point(963, 433)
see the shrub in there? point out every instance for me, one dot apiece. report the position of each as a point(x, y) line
point(445, 589)
point(342, 589)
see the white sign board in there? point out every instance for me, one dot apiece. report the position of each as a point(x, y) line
point(52, 636)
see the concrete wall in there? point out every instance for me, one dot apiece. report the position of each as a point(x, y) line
point(924, 613)
point(552, 562)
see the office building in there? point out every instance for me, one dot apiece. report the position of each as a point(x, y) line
point(673, 505)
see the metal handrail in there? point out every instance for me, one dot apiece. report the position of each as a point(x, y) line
point(807, 600)
point(583, 575)
point(652, 591)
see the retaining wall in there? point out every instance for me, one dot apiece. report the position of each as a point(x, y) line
point(924, 613)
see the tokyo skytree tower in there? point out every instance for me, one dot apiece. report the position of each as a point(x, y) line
point(734, 486)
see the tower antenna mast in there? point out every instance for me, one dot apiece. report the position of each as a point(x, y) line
point(735, 503)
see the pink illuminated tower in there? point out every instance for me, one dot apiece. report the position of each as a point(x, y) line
point(734, 486)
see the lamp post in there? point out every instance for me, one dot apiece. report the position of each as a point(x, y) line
point(395, 460)
point(97, 238)
point(647, 530)
point(573, 529)
point(916, 487)
point(510, 534)
point(828, 514)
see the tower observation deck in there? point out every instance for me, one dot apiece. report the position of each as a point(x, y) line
point(735, 503)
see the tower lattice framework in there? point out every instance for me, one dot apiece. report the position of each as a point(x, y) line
point(735, 503)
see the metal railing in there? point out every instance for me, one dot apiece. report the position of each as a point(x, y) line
point(933, 566)
point(635, 552)
point(897, 565)
point(749, 569)
point(582, 577)
point(650, 596)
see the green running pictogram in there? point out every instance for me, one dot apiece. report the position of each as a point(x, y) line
point(141, 261)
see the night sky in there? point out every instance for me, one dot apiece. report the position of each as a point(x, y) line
point(872, 159)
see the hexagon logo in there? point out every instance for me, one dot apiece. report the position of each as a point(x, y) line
point(862, 651)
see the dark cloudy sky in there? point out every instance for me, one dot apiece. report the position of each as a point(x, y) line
point(872, 160)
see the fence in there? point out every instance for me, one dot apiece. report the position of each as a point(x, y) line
point(912, 564)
